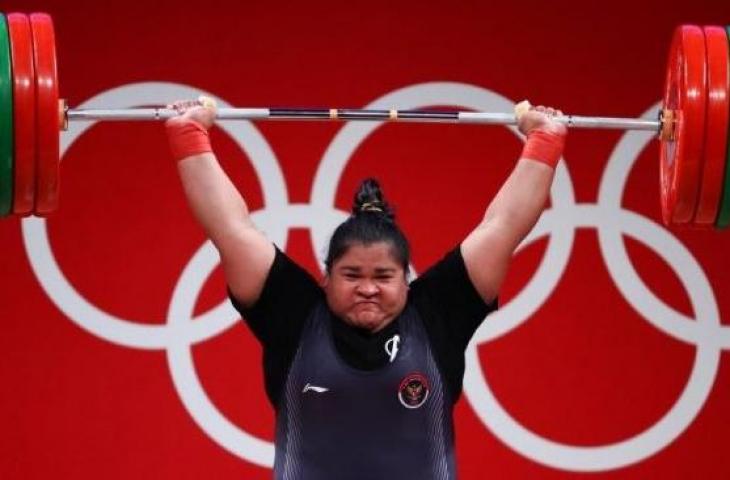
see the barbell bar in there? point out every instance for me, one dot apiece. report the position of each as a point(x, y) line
point(692, 124)
point(420, 116)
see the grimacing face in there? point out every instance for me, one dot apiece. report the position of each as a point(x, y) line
point(366, 287)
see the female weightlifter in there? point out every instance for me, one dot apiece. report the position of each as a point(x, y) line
point(363, 368)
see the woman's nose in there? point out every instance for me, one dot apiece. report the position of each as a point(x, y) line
point(367, 288)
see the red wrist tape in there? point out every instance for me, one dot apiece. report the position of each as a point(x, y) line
point(544, 147)
point(187, 138)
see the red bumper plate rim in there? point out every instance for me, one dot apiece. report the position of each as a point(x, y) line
point(685, 92)
point(21, 44)
point(47, 132)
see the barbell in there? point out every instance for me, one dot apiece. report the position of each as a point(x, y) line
point(692, 125)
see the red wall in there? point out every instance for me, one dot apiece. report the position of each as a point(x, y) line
point(120, 358)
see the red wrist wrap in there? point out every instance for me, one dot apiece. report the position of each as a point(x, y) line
point(187, 138)
point(543, 147)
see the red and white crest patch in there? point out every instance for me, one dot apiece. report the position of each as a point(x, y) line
point(413, 390)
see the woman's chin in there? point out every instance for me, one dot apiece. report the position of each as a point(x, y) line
point(368, 321)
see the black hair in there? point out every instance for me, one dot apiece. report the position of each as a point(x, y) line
point(372, 220)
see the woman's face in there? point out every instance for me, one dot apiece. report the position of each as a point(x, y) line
point(367, 287)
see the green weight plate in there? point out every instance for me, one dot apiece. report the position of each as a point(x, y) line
point(723, 217)
point(6, 121)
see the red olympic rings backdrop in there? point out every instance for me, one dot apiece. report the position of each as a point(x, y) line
point(122, 359)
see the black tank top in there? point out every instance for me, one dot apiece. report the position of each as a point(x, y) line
point(338, 422)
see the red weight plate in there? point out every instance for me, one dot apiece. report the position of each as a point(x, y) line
point(685, 92)
point(47, 124)
point(21, 50)
point(713, 174)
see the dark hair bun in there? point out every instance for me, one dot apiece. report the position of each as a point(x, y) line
point(369, 199)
